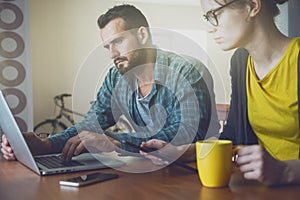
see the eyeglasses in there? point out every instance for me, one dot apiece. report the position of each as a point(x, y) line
point(211, 16)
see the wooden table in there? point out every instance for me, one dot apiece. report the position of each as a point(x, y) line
point(19, 183)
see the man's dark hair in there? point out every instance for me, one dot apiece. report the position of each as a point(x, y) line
point(132, 17)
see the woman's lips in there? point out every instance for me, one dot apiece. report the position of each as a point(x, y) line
point(217, 39)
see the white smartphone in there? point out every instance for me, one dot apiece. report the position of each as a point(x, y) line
point(88, 179)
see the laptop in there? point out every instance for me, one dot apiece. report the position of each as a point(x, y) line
point(48, 164)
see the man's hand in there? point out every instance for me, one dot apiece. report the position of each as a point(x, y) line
point(154, 144)
point(88, 141)
point(6, 150)
point(36, 145)
point(168, 151)
point(256, 163)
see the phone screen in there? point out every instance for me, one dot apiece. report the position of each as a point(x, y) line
point(88, 179)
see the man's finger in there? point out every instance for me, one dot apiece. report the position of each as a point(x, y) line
point(65, 150)
point(7, 155)
point(5, 141)
point(70, 152)
point(79, 149)
point(154, 143)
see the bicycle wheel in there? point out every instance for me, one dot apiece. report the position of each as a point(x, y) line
point(49, 126)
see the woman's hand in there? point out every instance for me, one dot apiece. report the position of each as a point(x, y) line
point(256, 163)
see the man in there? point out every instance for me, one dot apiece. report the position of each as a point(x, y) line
point(163, 95)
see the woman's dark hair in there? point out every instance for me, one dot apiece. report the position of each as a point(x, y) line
point(132, 17)
point(270, 5)
point(280, 1)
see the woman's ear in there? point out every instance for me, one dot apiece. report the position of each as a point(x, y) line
point(143, 35)
point(255, 7)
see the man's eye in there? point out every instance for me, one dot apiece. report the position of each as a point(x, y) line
point(118, 40)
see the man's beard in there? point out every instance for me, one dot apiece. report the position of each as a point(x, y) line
point(121, 66)
point(125, 64)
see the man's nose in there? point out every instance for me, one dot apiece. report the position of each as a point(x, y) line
point(113, 52)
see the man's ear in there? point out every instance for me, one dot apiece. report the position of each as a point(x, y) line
point(255, 7)
point(143, 35)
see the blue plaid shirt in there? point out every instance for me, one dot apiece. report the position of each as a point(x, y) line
point(182, 104)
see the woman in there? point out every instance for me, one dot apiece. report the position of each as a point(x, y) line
point(265, 88)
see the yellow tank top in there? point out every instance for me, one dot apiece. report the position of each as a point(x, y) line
point(273, 105)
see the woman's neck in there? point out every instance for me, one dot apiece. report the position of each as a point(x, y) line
point(266, 47)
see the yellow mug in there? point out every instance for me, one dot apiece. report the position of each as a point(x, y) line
point(215, 161)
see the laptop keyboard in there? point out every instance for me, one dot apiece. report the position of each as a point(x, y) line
point(56, 162)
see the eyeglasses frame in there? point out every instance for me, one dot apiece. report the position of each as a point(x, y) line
point(206, 17)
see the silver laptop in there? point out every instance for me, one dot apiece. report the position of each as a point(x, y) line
point(47, 164)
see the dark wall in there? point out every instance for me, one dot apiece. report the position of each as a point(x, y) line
point(294, 18)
